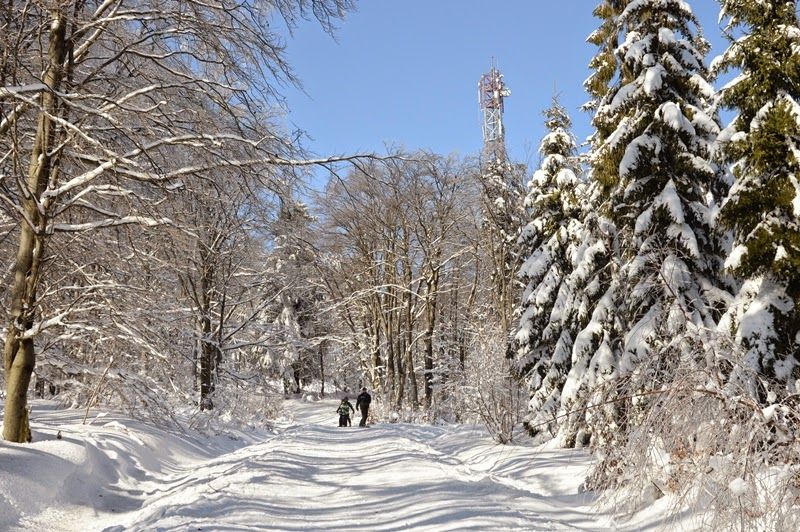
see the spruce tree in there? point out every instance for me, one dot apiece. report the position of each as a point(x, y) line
point(590, 318)
point(502, 198)
point(763, 207)
point(558, 373)
point(650, 159)
point(541, 346)
point(661, 189)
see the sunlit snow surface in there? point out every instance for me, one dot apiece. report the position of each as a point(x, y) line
point(308, 474)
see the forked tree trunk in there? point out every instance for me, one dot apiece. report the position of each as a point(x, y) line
point(18, 352)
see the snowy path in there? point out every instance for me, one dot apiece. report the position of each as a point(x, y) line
point(313, 475)
point(318, 476)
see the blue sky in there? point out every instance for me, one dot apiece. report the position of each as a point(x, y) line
point(405, 72)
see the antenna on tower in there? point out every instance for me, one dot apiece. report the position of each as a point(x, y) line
point(491, 91)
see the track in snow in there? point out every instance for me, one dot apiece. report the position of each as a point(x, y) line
point(316, 476)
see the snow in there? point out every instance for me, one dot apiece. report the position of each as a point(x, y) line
point(738, 487)
point(700, 119)
point(734, 260)
point(769, 412)
point(7, 91)
point(759, 301)
point(630, 159)
point(666, 36)
point(624, 94)
point(654, 79)
point(305, 473)
point(796, 200)
point(670, 113)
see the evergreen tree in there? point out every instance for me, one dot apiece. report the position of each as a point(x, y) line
point(294, 357)
point(660, 194)
point(541, 347)
point(650, 159)
point(585, 287)
point(763, 206)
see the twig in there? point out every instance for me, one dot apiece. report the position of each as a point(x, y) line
point(96, 390)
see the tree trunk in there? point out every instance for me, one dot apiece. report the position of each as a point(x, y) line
point(409, 351)
point(208, 351)
point(206, 363)
point(378, 373)
point(430, 313)
point(322, 369)
point(18, 352)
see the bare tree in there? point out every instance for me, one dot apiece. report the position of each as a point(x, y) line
point(404, 233)
point(113, 103)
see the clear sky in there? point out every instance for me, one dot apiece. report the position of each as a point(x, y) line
point(405, 72)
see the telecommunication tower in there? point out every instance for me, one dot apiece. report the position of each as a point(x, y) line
point(491, 91)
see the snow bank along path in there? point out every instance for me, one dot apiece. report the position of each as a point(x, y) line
point(119, 474)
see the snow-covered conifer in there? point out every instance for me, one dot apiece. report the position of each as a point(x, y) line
point(661, 190)
point(763, 206)
point(585, 285)
point(296, 312)
point(540, 348)
point(650, 157)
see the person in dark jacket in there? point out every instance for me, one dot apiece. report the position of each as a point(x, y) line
point(362, 403)
point(345, 407)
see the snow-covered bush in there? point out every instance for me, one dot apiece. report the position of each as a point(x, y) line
point(687, 431)
point(488, 392)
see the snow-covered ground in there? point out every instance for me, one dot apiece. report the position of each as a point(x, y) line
point(304, 474)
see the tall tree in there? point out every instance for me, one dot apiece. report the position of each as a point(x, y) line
point(542, 347)
point(592, 260)
point(502, 198)
point(763, 206)
point(112, 104)
point(652, 160)
point(660, 192)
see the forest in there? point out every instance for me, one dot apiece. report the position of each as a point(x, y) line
point(637, 295)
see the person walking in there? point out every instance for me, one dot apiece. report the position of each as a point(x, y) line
point(345, 407)
point(362, 403)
